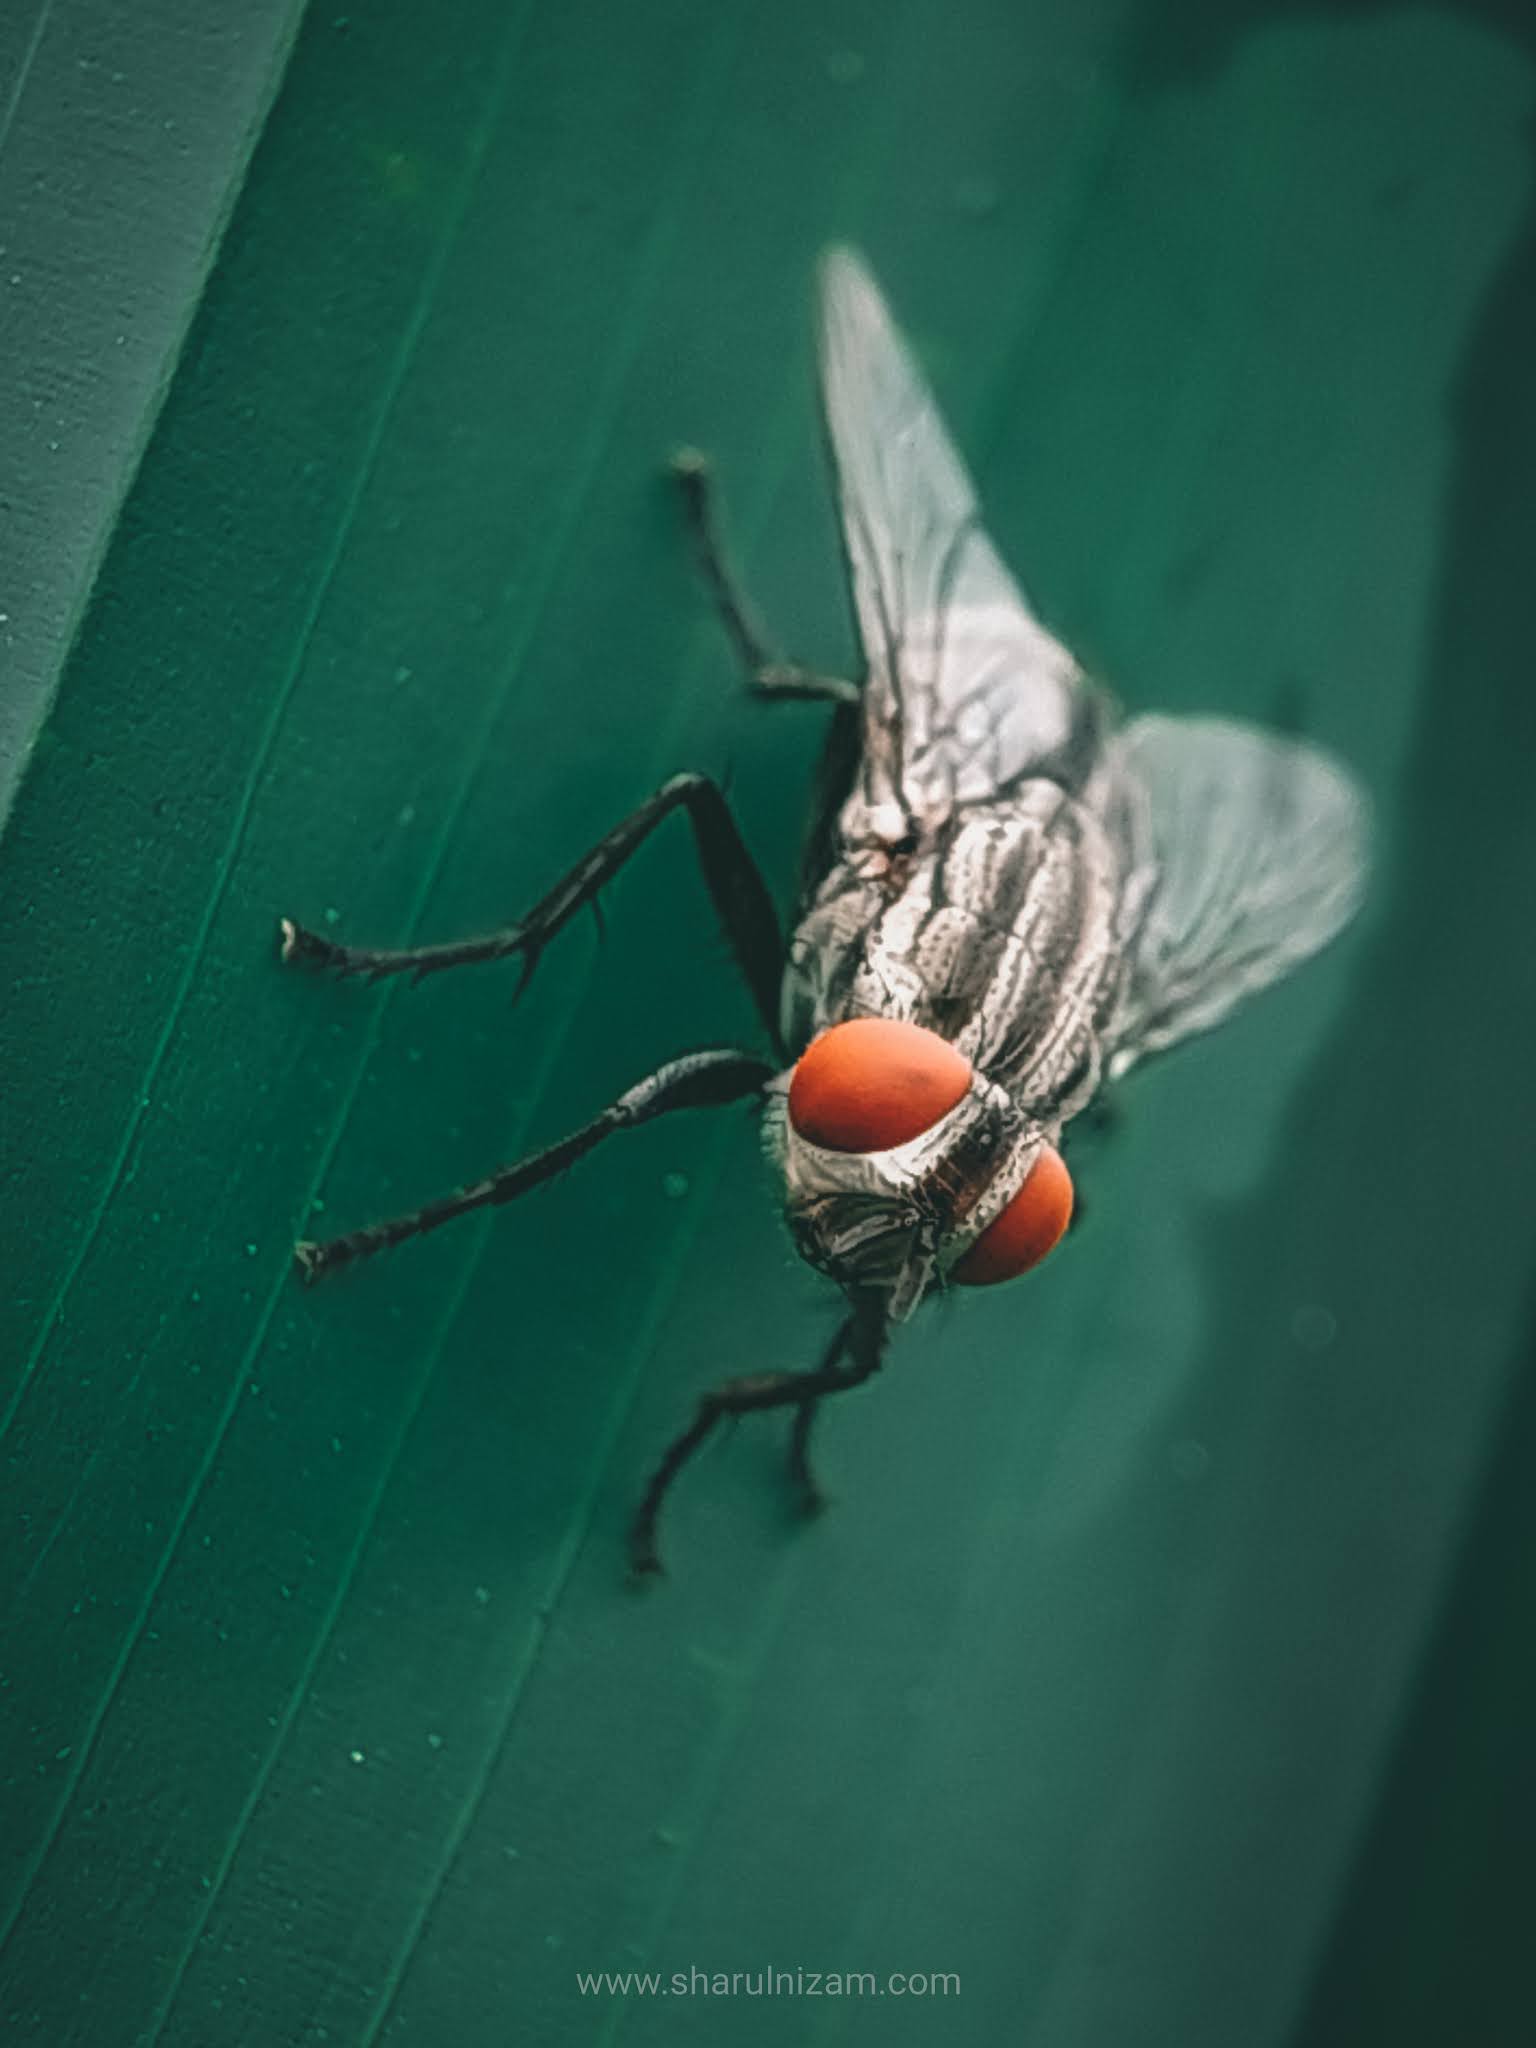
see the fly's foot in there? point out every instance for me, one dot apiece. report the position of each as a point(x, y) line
point(690, 466)
point(313, 1259)
point(300, 947)
point(692, 472)
point(809, 1497)
point(645, 1563)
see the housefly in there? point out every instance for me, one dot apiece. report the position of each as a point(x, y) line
point(1008, 899)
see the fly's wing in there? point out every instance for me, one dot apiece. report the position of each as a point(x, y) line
point(965, 693)
point(1244, 853)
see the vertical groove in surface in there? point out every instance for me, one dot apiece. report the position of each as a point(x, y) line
point(124, 134)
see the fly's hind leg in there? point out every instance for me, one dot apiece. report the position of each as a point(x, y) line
point(766, 677)
point(735, 884)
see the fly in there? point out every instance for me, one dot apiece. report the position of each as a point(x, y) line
point(1008, 898)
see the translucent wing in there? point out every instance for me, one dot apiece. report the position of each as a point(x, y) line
point(1245, 852)
point(965, 691)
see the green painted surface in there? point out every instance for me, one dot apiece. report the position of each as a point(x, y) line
point(125, 135)
point(327, 1713)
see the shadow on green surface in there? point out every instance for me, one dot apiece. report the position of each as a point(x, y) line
point(1432, 1944)
point(1430, 1941)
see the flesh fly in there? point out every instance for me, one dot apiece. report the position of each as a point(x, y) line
point(1008, 899)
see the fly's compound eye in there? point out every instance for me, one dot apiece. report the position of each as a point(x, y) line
point(1027, 1229)
point(874, 1082)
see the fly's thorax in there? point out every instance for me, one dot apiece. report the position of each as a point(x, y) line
point(999, 933)
point(898, 1218)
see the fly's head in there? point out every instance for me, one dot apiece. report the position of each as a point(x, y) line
point(905, 1168)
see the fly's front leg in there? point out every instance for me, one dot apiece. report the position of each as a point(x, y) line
point(766, 676)
point(854, 1354)
point(802, 1476)
point(699, 1080)
point(735, 885)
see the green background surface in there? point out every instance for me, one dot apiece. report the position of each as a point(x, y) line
point(1164, 1666)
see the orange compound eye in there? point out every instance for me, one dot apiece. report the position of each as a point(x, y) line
point(874, 1082)
point(1028, 1228)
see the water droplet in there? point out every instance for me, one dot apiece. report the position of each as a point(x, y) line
point(976, 197)
point(1189, 1459)
point(1314, 1327)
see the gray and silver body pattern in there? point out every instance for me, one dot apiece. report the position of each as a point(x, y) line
point(1054, 894)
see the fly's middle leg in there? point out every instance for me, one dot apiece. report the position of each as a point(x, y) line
point(766, 676)
point(731, 875)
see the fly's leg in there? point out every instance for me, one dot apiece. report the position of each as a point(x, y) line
point(766, 676)
point(735, 885)
point(699, 1080)
point(1104, 1115)
point(802, 1476)
point(854, 1354)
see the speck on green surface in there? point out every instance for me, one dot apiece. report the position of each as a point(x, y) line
point(327, 1714)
